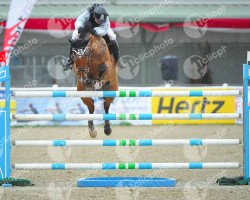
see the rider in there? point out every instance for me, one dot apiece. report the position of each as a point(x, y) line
point(95, 16)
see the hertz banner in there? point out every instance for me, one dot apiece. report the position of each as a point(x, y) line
point(163, 105)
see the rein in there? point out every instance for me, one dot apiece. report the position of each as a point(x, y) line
point(90, 83)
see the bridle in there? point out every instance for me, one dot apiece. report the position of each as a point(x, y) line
point(90, 83)
point(81, 53)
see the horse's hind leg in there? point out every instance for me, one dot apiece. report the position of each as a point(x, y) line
point(91, 107)
point(107, 128)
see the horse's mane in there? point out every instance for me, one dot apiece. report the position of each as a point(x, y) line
point(83, 40)
point(79, 43)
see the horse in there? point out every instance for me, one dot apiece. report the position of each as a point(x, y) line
point(95, 69)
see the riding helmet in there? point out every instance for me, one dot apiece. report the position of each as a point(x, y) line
point(100, 13)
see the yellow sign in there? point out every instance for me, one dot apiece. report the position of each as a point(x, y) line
point(163, 105)
point(12, 106)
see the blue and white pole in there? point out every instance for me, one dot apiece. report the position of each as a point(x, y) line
point(246, 110)
point(5, 125)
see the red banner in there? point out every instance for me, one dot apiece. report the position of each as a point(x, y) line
point(232, 23)
point(17, 17)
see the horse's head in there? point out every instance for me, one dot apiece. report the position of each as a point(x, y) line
point(81, 55)
point(90, 54)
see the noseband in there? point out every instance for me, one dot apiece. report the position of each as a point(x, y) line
point(90, 83)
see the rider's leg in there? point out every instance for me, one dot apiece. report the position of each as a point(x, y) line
point(114, 48)
point(69, 61)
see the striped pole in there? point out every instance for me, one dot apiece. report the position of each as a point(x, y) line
point(132, 142)
point(75, 117)
point(246, 111)
point(5, 124)
point(124, 93)
point(123, 166)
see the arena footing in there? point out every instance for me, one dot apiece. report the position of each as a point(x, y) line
point(126, 182)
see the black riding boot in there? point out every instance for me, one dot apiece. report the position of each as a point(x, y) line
point(114, 48)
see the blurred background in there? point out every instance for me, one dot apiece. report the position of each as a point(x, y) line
point(179, 42)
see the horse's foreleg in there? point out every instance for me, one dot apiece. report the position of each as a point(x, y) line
point(107, 128)
point(90, 104)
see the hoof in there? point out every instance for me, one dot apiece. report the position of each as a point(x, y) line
point(92, 133)
point(107, 130)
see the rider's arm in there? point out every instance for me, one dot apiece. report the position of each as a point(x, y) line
point(103, 28)
point(82, 19)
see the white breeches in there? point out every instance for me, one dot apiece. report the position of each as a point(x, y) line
point(75, 34)
point(111, 34)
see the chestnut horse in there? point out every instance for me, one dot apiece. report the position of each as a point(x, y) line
point(96, 69)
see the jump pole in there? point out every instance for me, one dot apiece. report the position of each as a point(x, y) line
point(124, 166)
point(5, 122)
point(246, 110)
point(124, 142)
point(5, 125)
point(123, 93)
point(149, 116)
